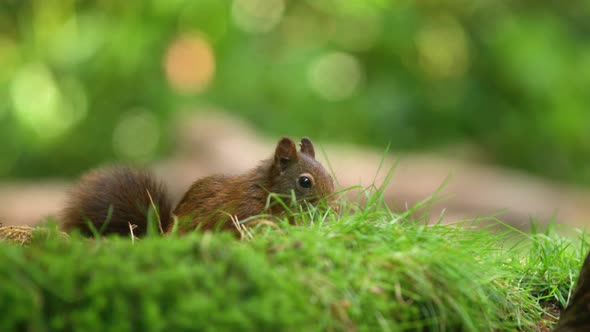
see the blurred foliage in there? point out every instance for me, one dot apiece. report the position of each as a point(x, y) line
point(86, 81)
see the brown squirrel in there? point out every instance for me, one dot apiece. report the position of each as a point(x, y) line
point(114, 198)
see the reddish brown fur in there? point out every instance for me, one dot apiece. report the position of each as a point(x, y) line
point(209, 201)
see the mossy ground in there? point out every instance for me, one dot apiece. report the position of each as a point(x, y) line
point(364, 269)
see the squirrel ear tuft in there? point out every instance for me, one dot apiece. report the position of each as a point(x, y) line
point(285, 152)
point(307, 147)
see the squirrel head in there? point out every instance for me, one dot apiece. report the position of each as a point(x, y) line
point(300, 172)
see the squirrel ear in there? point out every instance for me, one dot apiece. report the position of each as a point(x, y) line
point(285, 152)
point(307, 147)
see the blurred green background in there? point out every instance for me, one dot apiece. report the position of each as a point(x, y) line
point(83, 82)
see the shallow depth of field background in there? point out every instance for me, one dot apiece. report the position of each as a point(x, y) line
point(83, 82)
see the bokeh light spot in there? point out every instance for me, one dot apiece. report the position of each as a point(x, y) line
point(77, 39)
point(335, 76)
point(189, 64)
point(257, 16)
point(442, 49)
point(137, 135)
point(40, 105)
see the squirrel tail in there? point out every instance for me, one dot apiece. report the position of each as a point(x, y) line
point(114, 198)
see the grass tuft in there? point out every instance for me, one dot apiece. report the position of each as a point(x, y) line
point(365, 268)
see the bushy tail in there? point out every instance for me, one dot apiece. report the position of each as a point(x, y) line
point(112, 198)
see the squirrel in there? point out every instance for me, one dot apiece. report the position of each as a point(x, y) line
point(114, 198)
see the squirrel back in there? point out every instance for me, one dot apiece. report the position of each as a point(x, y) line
point(209, 203)
point(117, 196)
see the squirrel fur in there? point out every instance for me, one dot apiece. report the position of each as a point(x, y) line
point(112, 198)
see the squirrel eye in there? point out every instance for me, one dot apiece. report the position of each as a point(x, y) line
point(305, 182)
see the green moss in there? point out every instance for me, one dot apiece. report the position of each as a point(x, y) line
point(369, 270)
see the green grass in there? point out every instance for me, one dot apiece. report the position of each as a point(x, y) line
point(367, 270)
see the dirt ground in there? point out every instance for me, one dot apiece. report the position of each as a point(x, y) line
point(214, 142)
